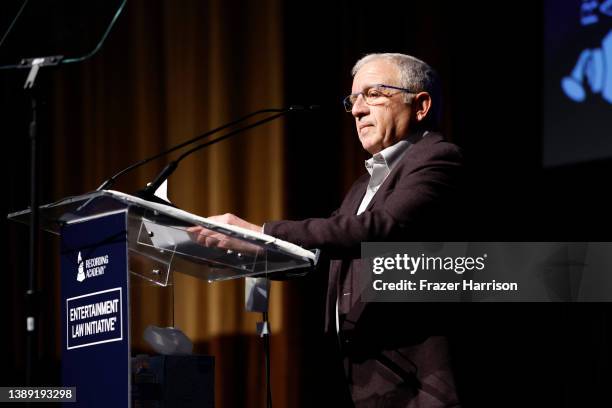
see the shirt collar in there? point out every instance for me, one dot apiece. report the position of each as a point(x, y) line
point(388, 156)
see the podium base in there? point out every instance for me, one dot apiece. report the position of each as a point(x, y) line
point(173, 381)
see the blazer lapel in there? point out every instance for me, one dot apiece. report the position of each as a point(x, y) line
point(414, 148)
point(353, 199)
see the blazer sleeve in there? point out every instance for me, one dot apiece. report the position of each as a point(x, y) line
point(419, 193)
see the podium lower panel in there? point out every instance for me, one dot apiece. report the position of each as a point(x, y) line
point(173, 381)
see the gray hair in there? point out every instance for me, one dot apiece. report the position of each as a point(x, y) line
point(414, 74)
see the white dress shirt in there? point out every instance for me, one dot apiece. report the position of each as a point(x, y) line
point(379, 166)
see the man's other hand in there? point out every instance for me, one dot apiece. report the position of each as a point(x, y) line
point(231, 219)
point(210, 238)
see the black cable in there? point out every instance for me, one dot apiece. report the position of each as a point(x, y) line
point(23, 5)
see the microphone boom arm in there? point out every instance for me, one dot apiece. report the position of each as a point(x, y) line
point(109, 182)
point(150, 189)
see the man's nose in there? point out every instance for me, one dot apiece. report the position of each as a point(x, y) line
point(360, 108)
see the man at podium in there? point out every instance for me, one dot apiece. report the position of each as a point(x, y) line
point(393, 353)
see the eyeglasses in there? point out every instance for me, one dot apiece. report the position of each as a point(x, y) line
point(374, 95)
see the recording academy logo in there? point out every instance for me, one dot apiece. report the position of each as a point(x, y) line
point(91, 267)
point(81, 273)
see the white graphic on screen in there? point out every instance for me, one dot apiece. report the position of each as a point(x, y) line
point(81, 273)
point(593, 71)
point(589, 9)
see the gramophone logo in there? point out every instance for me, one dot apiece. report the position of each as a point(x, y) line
point(81, 273)
point(91, 267)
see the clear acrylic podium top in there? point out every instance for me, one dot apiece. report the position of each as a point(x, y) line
point(160, 244)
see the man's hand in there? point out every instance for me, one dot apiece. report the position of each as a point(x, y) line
point(214, 239)
point(231, 219)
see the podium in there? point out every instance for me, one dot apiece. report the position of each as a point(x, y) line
point(110, 242)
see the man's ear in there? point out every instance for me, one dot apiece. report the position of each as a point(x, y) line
point(421, 104)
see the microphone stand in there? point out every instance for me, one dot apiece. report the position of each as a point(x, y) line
point(32, 295)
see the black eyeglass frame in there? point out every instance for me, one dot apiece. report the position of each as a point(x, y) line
point(350, 100)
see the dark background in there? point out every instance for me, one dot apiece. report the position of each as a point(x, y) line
point(489, 56)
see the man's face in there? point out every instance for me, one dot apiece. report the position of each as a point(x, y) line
point(383, 125)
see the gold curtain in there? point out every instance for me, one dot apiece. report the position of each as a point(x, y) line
point(169, 71)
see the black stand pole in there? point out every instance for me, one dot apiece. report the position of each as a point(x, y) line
point(32, 294)
point(31, 291)
point(266, 342)
point(257, 291)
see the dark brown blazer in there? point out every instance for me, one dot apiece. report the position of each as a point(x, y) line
point(395, 354)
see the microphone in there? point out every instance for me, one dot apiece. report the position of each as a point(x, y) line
point(148, 192)
point(109, 182)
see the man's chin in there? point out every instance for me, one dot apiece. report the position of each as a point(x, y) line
point(370, 147)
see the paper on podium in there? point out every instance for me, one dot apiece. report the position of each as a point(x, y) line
point(182, 236)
